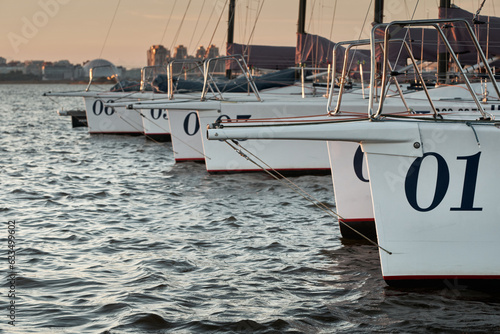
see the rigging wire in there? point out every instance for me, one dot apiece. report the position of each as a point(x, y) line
point(253, 29)
point(139, 128)
point(359, 37)
point(168, 22)
point(215, 30)
point(406, 35)
point(310, 17)
point(195, 27)
point(109, 29)
point(180, 25)
point(171, 134)
point(294, 187)
point(206, 25)
point(330, 50)
point(246, 21)
point(317, 59)
point(474, 19)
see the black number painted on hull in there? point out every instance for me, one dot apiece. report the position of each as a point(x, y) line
point(157, 113)
point(358, 164)
point(193, 131)
point(443, 181)
point(98, 108)
point(469, 190)
point(238, 117)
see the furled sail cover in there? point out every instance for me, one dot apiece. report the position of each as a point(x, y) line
point(316, 51)
point(262, 56)
point(487, 31)
point(425, 43)
point(281, 78)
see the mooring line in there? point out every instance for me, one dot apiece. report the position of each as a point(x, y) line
point(140, 130)
point(297, 189)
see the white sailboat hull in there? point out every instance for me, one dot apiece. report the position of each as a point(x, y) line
point(282, 155)
point(102, 119)
point(352, 189)
point(155, 124)
point(186, 135)
point(438, 213)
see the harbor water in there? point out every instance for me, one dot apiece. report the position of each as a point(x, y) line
point(113, 236)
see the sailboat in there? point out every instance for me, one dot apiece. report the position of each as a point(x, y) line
point(433, 198)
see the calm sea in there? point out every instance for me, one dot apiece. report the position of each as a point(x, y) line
point(112, 236)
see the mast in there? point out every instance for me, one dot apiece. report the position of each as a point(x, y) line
point(378, 16)
point(230, 30)
point(443, 56)
point(301, 24)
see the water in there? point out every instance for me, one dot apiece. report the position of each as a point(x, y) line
point(113, 237)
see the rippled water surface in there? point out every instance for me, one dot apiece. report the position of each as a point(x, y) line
point(114, 237)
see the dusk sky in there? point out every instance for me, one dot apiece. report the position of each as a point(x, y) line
point(122, 30)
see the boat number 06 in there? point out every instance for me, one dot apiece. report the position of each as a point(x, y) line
point(191, 129)
point(98, 107)
point(443, 181)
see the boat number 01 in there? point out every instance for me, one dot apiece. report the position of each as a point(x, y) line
point(157, 113)
point(191, 131)
point(443, 181)
point(98, 107)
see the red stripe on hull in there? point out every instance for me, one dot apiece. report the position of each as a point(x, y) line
point(356, 220)
point(189, 159)
point(117, 133)
point(441, 277)
point(277, 169)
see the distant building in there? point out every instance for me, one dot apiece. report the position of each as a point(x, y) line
point(213, 51)
point(180, 52)
point(158, 55)
point(57, 71)
point(62, 70)
point(200, 52)
point(33, 67)
point(11, 67)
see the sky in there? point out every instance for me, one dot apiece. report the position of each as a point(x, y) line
point(122, 31)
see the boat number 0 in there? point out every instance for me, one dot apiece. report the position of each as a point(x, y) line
point(98, 107)
point(443, 181)
point(358, 164)
point(196, 124)
point(192, 132)
point(157, 113)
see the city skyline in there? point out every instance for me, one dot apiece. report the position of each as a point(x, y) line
point(122, 31)
point(210, 52)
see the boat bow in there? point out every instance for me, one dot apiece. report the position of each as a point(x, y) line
point(373, 136)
